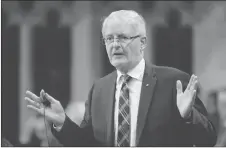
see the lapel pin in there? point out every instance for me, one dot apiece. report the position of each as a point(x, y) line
point(147, 84)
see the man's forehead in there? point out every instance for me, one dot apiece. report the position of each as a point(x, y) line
point(117, 33)
point(118, 28)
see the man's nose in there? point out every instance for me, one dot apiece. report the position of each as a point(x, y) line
point(115, 43)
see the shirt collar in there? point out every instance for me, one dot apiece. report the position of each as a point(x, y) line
point(136, 73)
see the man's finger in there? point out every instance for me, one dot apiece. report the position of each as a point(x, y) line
point(190, 82)
point(193, 97)
point(36, 104)
point(194, 85)
point(33, 96)
point(40, 111)
point(50, 98)
point(179, 87)
point(42, 94)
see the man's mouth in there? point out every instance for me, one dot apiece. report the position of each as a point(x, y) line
point(118, 54)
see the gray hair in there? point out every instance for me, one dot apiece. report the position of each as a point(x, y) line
point(129, 16)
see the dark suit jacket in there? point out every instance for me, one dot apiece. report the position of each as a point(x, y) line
point(159, 121)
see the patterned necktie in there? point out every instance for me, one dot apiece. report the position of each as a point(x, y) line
point(124, 115)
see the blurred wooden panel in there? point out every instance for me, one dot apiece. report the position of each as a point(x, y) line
point(52, 46)
point(10, 80)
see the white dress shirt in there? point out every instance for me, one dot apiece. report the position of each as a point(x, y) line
point(134, 94)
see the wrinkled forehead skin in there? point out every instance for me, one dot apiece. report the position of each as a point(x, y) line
point(118, 27)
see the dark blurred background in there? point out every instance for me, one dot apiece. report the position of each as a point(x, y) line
point(56, 46)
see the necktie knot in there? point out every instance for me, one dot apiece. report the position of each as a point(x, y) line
point(126, 78)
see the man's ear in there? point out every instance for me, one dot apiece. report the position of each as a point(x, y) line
point(143, 41)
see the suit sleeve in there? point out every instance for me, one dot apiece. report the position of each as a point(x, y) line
point(199, 131)
point(73, 135)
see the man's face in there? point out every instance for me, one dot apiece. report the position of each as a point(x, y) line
point(122, 55)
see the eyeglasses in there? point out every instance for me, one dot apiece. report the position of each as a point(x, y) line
point(121, 39)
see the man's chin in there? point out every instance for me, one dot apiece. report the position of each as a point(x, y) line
point(118, 63)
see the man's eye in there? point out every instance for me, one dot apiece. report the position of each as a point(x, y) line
point(124, 38)
point(109, 38)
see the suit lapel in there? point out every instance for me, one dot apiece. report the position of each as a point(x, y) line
point(109, 96)
point(148, 86)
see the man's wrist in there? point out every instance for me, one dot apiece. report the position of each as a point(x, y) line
point(59, 126)
point(188, 118)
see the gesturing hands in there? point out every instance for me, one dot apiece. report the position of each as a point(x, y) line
point(186, 99)
point(55, 113)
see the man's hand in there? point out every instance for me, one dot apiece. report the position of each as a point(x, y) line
point(55, 113)
point(186, 99)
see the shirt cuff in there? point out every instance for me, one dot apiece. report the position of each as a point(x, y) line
point(57, 128)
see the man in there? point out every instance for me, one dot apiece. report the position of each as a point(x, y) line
point(136, 105)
